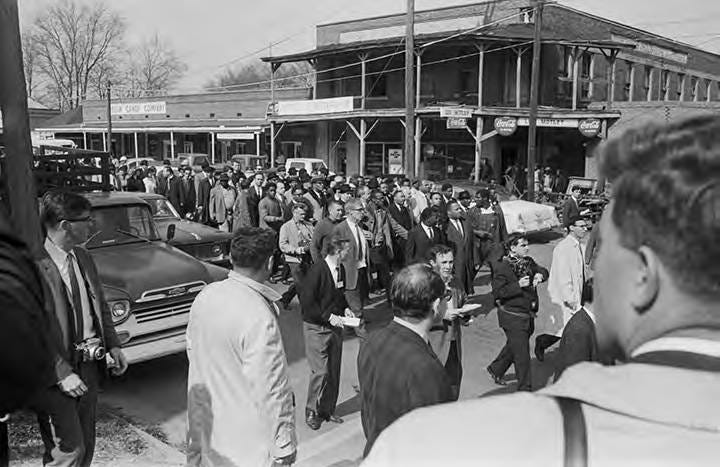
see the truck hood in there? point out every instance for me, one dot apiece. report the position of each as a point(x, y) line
point(138, 267)
point(187, 232)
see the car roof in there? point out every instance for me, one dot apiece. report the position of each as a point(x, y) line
point(304, 159)
point(114, 198)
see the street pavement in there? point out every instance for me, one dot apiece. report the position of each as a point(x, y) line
point(153, 394)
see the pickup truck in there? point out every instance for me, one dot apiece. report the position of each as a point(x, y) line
point(149, 284)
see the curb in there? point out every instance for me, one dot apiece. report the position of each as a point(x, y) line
point(171, 455)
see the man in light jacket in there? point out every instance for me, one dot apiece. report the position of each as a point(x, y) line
point(656, 304)
point(240, 404)
point(567, 276)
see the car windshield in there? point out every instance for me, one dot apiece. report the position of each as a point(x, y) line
point(317, 166)
point(162, 209)
point(115, 225)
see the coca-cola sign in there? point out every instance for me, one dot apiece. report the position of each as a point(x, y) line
point(590, 127)
point(506, 126)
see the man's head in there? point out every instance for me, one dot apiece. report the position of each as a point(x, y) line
point(354, 210)
point(298, 194)
point(436, 199)
point(280, 188)
point(66, 218)
point(465, 198)
point(188, 172)
point(299, 212)
point(270, 190)
point(442, 259)
point(385, 188)
point(447, 190)
point(364, 193)
point(426, 186)
point(258, 180)
point(575, 191)
point(224, 180)
point(430, 216)
point(345, 192)
point(415, 294)
point(453, 210)
point(337, 247)
point(377, 197)
point(517, 245)
point(336, 210)
point(235, 166)
point(578, 227)
point(658, 265)
point(399, 198)
point(251, 251)
point(318, 184)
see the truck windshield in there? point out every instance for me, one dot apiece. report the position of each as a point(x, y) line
point(109, 224)
point(162, 209)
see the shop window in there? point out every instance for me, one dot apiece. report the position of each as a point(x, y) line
point(647, 73)
point(565, 63)
point(291, 148)
point(378, 85)
point(681, 82)
point(585, 65)
point(468, 82)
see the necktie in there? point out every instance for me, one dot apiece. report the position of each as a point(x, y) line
point(76, 301)
point(458, 224)
point(337, 275)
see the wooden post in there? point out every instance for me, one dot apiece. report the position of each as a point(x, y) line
point(632, 81)
point(479, 121)
point(363, 131)
point(21, 196)
point(363, 80)
point(136, 145)
point(84, 139)
point(272, 144)
point(212, 146)
point(518, 77)
point(696, 89)
point(534, 97)
point(172, 145)
point(651, 81)
point(410, 169)
point(708, 94)
point(104, 141)
point(611, 80)
point(109, 121)
point(576, 76)
point(418, 78)
point(257, 143)
point(591, 84)
point(418, 144)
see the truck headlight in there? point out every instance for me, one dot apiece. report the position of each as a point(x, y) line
point(119, 310)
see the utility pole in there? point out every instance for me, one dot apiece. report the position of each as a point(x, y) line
point(21, 195)
point(534, 91)
point(409, 155)
point(109, 112)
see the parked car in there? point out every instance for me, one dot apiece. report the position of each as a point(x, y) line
point(309, 164)
point(249, 161)
point(196, 161)
point(201, 241)
point(133, 163)
point(149, 284)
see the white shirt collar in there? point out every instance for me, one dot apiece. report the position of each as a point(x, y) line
point(262, 289)
point(682, 344)
point(57, 254)
point(414, 328)
point(332, 263)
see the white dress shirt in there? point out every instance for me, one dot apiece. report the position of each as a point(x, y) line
point(334, 268)
point(60, 258)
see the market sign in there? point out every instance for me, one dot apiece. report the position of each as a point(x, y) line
point(453, 123)
point(139, 108)
point(550, 122)
point(455, 112)
point(235, 136)
point(590, 127)
point(506, 126)
point(395, 161)
point(315, 106)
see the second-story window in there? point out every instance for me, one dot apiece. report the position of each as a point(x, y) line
point(377, 85)
point(647, 73)
point(693, 87)
point(527, 15)
point(664, 83)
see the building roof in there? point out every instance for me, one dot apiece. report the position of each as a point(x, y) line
point(71, 117)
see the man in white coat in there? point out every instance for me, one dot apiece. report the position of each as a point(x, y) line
point(567, 276)
point(657, 299)
point(240, 404)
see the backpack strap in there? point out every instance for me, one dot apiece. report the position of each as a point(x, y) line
point(575, 432)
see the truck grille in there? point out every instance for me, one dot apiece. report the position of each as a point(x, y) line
point(148, 312)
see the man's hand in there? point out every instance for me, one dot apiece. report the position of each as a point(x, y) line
point(537, 279)
point(452, 313)
point(121, 363)
point(336, 321)
point(349, 313)
point(286, 460)
point(570, 305)
point(72, 385)
point(524, 281)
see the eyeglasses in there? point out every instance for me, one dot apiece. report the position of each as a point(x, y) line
point(583, 226)
point(79, 219)
point(523, 245)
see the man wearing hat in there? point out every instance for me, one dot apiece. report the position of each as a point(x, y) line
point(222, 200)
point(317, 199)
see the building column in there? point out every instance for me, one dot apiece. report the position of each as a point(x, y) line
point(631, 65)
point(611, 61)
point(363, 130)
point(696, 97)
point(272, 144)
point(257, 143)
point(172, 145)
point(576, 76)
point(84, 139)
point(651, 82)
point(363, 79)
point(212, 146)
point(668, 82)
point(418, 138)
point(479, 120)
point(136, 145)
point(683, 85)
point(418, 77)
point(518, 78)
point(478, 147)
point(591, 84)
point(104, 141)
point(708, 91)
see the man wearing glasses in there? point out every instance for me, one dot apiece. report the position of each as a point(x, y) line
point(567, 276)
point(81, 330)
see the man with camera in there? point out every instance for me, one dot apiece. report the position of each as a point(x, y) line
point(81, 329)
point(295, 239)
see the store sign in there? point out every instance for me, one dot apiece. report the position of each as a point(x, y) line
point(455, 112)
point(395, 161)
point(316, 106)
point(590, 127)
point(550, 122)
point(456, 123)
point(506, 126)
point(235, 136)
point(139, 108)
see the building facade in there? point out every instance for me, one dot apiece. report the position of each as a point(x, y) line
point(472, 72)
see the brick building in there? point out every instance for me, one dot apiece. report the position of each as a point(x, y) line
point(474, 62)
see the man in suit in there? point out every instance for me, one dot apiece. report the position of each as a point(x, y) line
point(187, 187)
point(571, 208)
point(381, 243)
point(357, 260)
point(325, 227)
point(269, 211)
point(460, 236)
point(423, 236)
point(255, 194)
point(222, 203)
point(579, 341)
point(398, 370)
point(514, 285)
point(322, 298)
point(174, 190)
point(317, 199)
point(81, 318)
point(567, 276)
point(204, 185)
point(294, 241)
point(401, 221)
point(447, 193)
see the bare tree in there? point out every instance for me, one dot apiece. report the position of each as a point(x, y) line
point(257, 75)
point(154, 67)
point(73, 40)
point(29, 51)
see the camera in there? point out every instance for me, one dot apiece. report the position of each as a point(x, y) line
point(91, 349)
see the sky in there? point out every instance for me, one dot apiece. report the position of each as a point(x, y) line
point(210, 35)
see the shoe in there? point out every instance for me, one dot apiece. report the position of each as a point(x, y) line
point(312, 419)
point(333, 418)
point(497, 379)
point(539, 351)
point(287, 281)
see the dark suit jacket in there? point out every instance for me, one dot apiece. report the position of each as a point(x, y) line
point(323, 230)
point(343, 230)
point(569, 210)
point(511, 296)
point(319, 298)
point(398, 372)
point(56, 299)
point(187, 187)
point(403, 216)
point(578, 343)
point(175, 193)
point(203, 199)
point(418, 244)
point(253, 200)
point(463, 244)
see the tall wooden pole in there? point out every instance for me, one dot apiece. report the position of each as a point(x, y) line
point(22, 198)
point(534, 91)
point(109, 130)
point(410, 168)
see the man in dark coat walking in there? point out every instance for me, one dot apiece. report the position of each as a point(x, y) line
point(579, 342)
point(423, 236)
point(460, 237)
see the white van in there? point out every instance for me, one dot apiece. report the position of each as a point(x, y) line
point(311, 165)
